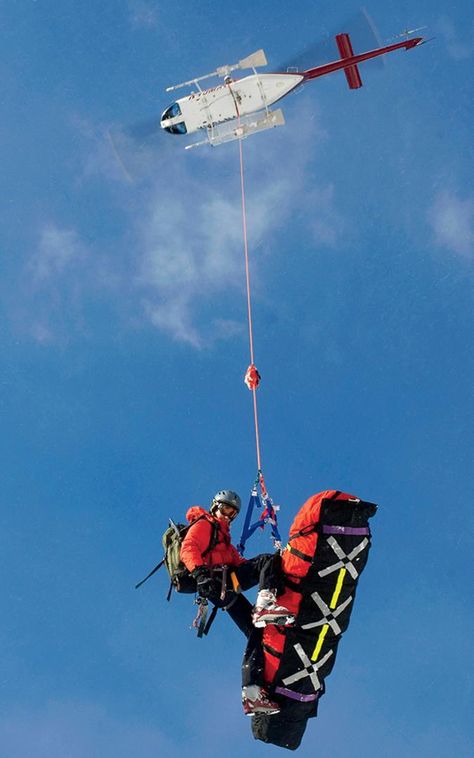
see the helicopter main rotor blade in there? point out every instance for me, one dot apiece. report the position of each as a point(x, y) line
point(251, 61)
point(407, 33)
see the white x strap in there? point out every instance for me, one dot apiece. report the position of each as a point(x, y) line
point(310, 669)
point(345, 560)
point(329, 616)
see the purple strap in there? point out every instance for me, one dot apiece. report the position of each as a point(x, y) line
point(351, 530)
point(297, 695)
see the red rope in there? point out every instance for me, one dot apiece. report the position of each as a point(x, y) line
point(249, 305)
point(246, 249)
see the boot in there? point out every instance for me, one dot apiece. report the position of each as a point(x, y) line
point(267, 611)
point(256, 700)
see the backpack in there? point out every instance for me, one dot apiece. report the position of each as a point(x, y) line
point(180, 578)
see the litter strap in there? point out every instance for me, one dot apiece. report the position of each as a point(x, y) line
point(297, 695)
point(352, 531)
point(272, 651)
point(299, 554)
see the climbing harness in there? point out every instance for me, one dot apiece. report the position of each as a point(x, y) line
point(259, 498)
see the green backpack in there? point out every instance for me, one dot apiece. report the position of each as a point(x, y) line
point(180, 578)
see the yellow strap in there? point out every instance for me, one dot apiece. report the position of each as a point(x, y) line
point(338, 589)
point(332, 605)
point(319, 643)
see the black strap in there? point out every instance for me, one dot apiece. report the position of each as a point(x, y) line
point(210, 620)
point(168, 596)
point(272, 651)
point(150, 574)
point(299, 554)
point(229, 605)
point(292, 585)
point(214, 536)
point(305, 531)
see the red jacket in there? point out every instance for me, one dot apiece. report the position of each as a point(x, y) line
point(198, 539)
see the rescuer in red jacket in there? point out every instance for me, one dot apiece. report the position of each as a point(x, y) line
point(221, 573)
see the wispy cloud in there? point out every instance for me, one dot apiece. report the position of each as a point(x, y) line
point(186, 275)
point(58, 281)
point(143, 14)
point(51, 302)
point(457, 48)
point(192, 255)
point(192, 237)
point(58, 250)
point(452, 221)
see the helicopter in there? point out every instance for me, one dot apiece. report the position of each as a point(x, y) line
point(237, 108)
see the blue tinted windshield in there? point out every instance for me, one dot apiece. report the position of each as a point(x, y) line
point(177, 128)
point(174, 111)
point(171, 112)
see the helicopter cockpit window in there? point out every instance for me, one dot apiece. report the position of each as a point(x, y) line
point(177, 128)
point(171, 112)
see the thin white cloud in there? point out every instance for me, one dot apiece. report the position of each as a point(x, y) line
point(172, 315)
point(192, 237)
point(143, 14)
point(58, 249)
point(52, 287)
point(190, 255)
point(457, 48)
point(185, 215)
point(452, 221)
point(58, 281)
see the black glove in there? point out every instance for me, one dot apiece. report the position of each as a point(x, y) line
point(204, 581)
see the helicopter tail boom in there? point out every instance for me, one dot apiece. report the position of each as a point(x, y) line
point(349, 61)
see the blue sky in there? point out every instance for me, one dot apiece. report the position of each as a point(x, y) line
point(124, 346)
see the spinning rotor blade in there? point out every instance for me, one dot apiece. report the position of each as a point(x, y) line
point(363, 34)
point(144, 131)
point(142, 148)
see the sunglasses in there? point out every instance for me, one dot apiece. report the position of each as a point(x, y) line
point(228, 510)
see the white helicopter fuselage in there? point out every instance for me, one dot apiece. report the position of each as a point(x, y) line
point(204, 109)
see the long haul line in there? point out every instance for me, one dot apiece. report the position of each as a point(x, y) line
point(234, 110)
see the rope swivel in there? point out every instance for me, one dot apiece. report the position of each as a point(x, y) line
point(252, 377)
